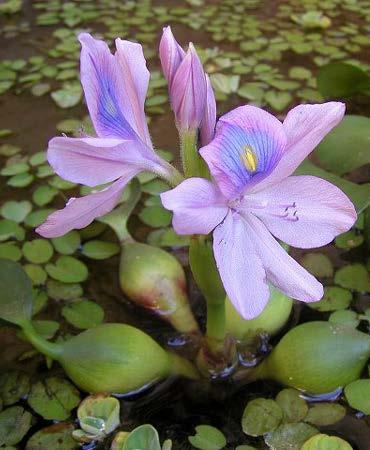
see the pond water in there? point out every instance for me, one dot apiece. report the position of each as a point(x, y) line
point(257, 51)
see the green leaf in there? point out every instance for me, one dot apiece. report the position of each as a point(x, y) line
point(69, 125)
point(323, 414)
point(354, 277)
point(352, 133)
point(16, 293)
point(37, 158)
point(44, 195)
point(67, 97)
point(278, 100)
point(38, 251)
point(16, 211)
point(21, 180)
point(15, 169)
point(67, 244)
point(36, 218)
point(9, 150)
point(63, 291)
point(56, 437)
point(167, 237)
point(335, 298)
point(226, 84)
point(318, 264)
point(10, 229)
point(83, 314)
point(143, 437)
point(40, 89)
point(293, 405)
point(325, 442)
point(68, 270)
point(345, 317)
point(290, 436)
point(154, 187)
point(14, 386)
point(358, 395)
point(207, 438)
point(348, 240)
point(100, 250)
point(54, 398)
point(261, 416)
point(36, 273)
point(338, 80)
point(155, 216)
point(9, 250)
point(14, 424)
point(105, 409)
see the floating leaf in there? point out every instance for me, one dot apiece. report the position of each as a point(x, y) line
point(278, 100)
point(14, 386)
point(36, 273)
point(67, 244)
point(325, 442)
point(358, 395)
point(16, 293)
point(54, 398)
point(335, 298)
point(353, 132)
point(293, 405)
point(354, 277)
point(36, 218)
point(322, 414)
point(100, 249)
point(9, 150)
point(63, 291)
point(15, 169)
point(348, 240)
point(21, 180)
point(37, 158)
point(290, 436)
point(226, 84)
point(44, 195)
point(154, 187)
point(261, 416)
point(338, 80)
point(9, 250)
point(16, 211)
point(68, 270)
point(318, 264)
point(345, 317)
point(84, 314)
point(207, 438)
point(56, 437)
point(14, 424)
point(69, 125)
point(67, 97)
point(10, 229)
point(167, 237)
point(144, 436)
point(40, 89)
point(38, 251)
point(155, 216)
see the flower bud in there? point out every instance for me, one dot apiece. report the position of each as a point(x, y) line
point(155, 280)
point(317, 357)
point(270, 321)
point(171, 54)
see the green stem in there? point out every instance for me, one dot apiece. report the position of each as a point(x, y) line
point(205, 273)
point(216, 322)
point(181, 366)
point(192, 163)
point(45, 347)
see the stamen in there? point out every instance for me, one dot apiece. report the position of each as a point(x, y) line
point(249, 158)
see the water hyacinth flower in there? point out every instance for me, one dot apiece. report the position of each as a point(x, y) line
point(254, 198)
point(115, 86)
point(191, 93)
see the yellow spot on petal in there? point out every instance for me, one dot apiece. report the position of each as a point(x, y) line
point(249, 158)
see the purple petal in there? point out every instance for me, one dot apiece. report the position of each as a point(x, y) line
point(240, 267)
point(281, 269)
point(90, 161)
point(207, 127)
point(197, 204)
point(134, 86)
point(80, 212)
point(305, 127)
point(188, 91)
point(303, 211)
point(170, 53)
point(248, 145)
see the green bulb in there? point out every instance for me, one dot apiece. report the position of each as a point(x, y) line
point(154, 279)
point(270, 321)
point(317, 357)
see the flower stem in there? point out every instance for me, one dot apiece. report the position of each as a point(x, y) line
point(45, 347)
point(192, 163)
